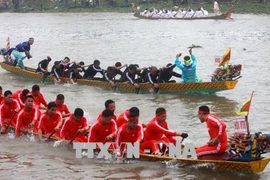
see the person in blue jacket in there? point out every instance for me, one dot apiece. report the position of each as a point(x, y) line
point(188, 67)
point(22, 51)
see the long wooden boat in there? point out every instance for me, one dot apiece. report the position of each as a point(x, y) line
point(218, 17)
point(221, 165)
point(145, 88)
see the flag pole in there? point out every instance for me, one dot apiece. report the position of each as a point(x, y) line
point(246, 117)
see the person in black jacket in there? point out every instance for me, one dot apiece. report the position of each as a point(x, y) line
point(43, 67)
point(92, 70)
point(167, 72)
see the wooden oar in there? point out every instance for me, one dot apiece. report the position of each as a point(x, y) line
point(137, 90)
point(77, 133)
point(50, 135)
point(13, 115)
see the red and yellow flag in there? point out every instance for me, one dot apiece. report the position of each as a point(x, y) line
point(244, 110)
point(225, 58)
point(8, 44)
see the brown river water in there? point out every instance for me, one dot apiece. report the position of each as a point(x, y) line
point(112, 37)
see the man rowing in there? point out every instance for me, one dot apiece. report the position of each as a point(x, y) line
point(109, 75)
point(64, 66)
point(129, 132)
point(38, 97)
point(75, 127)
point(22, 51)
point(74, 74)
point(117, 68)
point(109, 104)
point(104, 129)
point(216, 131)
point(92, 70)
point(61, 106)
point(43, 67)
point(157, 131)
point(8, 108)
point(124, 117)
point(20, 96)
point(49, 121)
point(57, 72)
point(129, 75)
point(151, 76)
point(27, 117)
point(188, 68)
point(167, 72)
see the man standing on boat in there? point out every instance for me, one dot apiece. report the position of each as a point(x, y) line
point(27, 117)
point(155, 131)
point(22, 51)
point(217, 133)
point(188, 68)
point(75, 127)
point(50, 121)
point(216, 7)
point(8, 108)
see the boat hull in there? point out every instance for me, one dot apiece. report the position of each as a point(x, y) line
point(219, 17)
point(145, 88)
point(220, 165)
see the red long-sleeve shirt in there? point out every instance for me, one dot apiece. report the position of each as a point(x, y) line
point(47, 124)
point(39, 100)
point(132, 136)
point(25, 118)
point(71, 127)
point(100, 114)
point(7, 111)
point(19, 97)
point(99, 132)
point(216, 128)
point(62, 108)
point(155, 131)
point(1, 98)
point(122, 118)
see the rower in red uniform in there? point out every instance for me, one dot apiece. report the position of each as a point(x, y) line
point(109, 104)
point(8, 108)
point(38, 97)
point(61, 106)
point(216, 131)
point(28, 116)
point(75, 126)
point(155, 131)
point(131, 131)
point(50, 121)
point(123, 117)
point(104, 129)
point(1, 94)
point(20, 95)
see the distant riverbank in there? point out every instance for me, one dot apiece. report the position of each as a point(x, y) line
point(122, 6)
